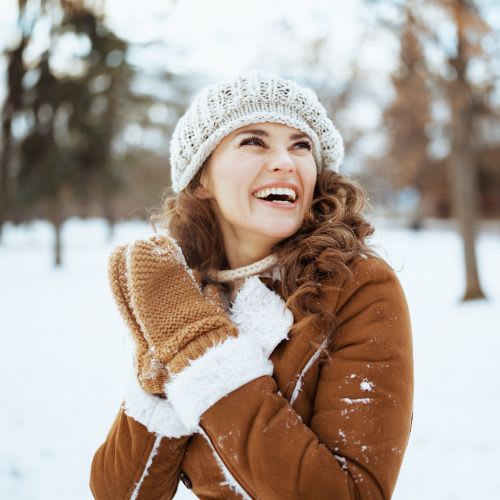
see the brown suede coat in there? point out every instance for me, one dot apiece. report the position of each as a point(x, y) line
point(332, 422)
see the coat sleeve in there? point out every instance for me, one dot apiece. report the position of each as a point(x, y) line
point(354, 445)
point(141, 456)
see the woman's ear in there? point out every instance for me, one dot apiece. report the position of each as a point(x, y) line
point(201, 192)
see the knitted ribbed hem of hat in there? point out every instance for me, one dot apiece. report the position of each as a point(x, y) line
point(222, 108)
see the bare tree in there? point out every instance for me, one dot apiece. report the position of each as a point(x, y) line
point(13, 103)
point(464, 178)
point(407, 117)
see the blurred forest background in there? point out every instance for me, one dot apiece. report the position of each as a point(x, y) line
point(90, 92)
point(88, 103)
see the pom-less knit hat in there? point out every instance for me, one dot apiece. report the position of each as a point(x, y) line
point(219, 109)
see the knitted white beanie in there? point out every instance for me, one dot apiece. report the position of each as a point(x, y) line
point(218, 110)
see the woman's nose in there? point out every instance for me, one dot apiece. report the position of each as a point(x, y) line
point(281, 160)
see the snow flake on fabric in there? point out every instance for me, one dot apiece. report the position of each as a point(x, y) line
point(366, 385)
point(342, 461)
point(171, 252)
point(350, 401)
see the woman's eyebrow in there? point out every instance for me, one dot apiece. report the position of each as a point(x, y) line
point(263, 133)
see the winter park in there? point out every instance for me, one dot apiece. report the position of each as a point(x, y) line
point(73, 351)
point(349, 116)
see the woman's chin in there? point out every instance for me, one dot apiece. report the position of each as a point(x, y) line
point(278, 231)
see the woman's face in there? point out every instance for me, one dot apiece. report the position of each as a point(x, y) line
point(260, 180)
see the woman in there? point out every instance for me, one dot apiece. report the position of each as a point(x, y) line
point(274, 354)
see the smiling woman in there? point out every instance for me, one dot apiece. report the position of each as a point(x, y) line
point(273, 347)
point(266, 195)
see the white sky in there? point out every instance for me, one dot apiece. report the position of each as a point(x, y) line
point(223, 37)
point(219, 38)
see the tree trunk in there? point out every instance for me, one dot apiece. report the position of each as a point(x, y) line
point(111, 231)
point(13, 103)
point(465, 195)
point(464, 181)
point(109, 215)
point(5, 156)
point(57, 244)
point(57, 222)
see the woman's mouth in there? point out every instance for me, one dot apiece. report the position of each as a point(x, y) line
point(278, 197)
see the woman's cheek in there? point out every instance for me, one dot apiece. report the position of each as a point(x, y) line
point(231, 207)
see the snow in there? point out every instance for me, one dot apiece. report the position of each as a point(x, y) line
point(65, 361)
point(342, 461)
point(350, 401)
point(366, 385)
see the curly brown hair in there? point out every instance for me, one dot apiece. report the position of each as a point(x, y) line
point(333, 235)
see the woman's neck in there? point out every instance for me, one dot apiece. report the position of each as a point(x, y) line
point(240, 258)
point(243, 248)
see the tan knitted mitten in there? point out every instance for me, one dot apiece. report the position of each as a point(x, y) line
point(170, 318)
point(150, 372)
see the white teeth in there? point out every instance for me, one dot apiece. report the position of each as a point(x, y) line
point(264, 193)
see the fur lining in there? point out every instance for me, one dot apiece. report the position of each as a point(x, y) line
point(263, 322)
point(155, 413)
point(230, 481)
point(222, 369)
point(145, 472)
point(261, 314)
point(314, 357)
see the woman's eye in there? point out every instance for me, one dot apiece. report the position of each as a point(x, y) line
point(304, 144)
point(251, 140)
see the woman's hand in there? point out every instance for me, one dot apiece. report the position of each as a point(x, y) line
point(263, 321)
point(171, 320)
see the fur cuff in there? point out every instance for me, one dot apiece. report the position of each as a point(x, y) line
point(155, 413)
point(261, 314)
point(222, 369)
point(263, 322)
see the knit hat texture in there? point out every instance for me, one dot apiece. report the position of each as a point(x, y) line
point(219, 109)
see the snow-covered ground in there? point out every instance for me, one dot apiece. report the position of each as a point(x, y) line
point(64, 354)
